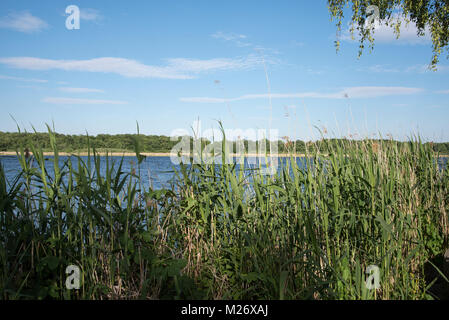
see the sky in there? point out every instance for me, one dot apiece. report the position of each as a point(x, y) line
point(253, 64)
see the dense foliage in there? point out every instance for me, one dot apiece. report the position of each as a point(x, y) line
point(152, 143)
point(309, 231)
point(70, 143)
point(430, 16)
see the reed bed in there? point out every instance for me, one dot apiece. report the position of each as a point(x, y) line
point(309, 231)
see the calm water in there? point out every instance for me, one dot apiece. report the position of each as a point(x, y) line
point(155, 171)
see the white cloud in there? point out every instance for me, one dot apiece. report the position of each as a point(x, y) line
point(197, 66)
point(240, 40)
point(30, 87)
point(89, 14)
point(419, 68)
point(55, 100)
point(374, 92)
point(351, 92)
point(22, 79)
point(175, 69)
point(23, 22)
point(378, 68)
point(443, 91)
point(228, 36)
point(386, 34)
point(80, 90)
point(424, 68)
point(237, 39)
point(124, 67)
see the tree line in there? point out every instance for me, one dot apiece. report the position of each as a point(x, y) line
point(13, 141)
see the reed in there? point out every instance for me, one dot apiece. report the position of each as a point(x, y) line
point(226, 231)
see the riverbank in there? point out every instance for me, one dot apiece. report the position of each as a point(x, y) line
point(133, 154)
point(85, 154)
point(155, 154)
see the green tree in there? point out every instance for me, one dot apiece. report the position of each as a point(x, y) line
point(425, 14)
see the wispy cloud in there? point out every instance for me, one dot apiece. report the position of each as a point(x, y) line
point(56, 100)
point(425, 68)
point(379, 68)
point(418, 68)
point(351, 92)
point(384, 33)
point(442, 91)
point(33, 86)
point(89, 14)
point(238, 39)
point(197, 66)
point(23, 22)
point(80, 90)
point(124, 67)
point(22, 79)
point(178, 68)
point(314, 71)
point(228, 36)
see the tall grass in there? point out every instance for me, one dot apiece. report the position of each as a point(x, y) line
point(227, 232)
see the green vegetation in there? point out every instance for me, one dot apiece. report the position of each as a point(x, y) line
point(71, 143)
point(12, 141)
point(428, 16)
point(307, 232)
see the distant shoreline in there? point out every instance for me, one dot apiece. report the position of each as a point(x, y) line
point(152, 154)
point(133, 154)
point(85, 154)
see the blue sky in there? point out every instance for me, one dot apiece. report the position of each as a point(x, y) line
point(168, 63)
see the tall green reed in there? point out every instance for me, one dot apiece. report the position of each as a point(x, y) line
point(309, 231)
